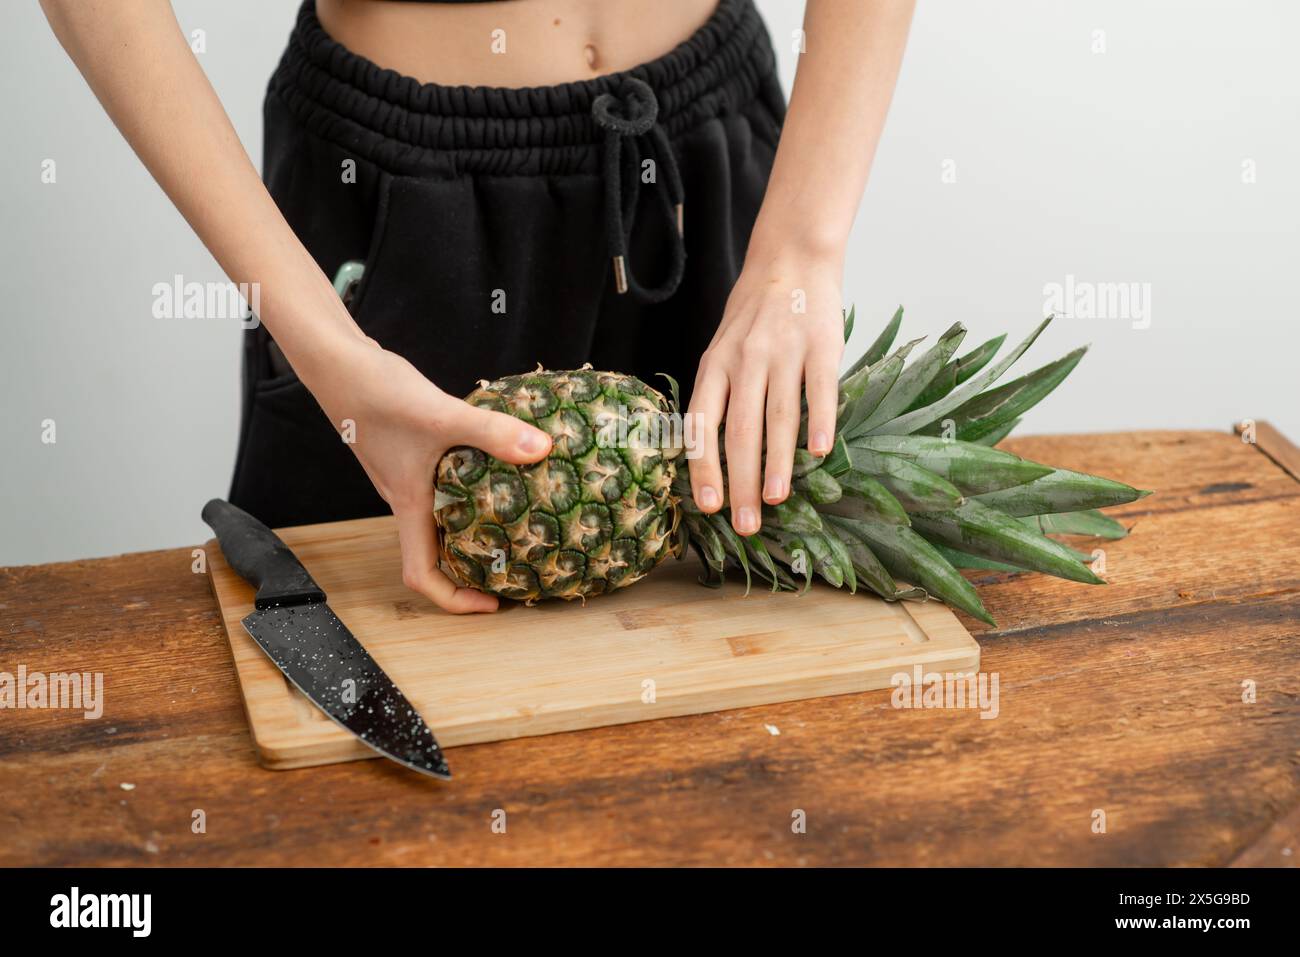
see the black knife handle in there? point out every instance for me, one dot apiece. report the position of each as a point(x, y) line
point(260, 558)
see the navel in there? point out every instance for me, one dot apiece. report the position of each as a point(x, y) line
point(593, 58)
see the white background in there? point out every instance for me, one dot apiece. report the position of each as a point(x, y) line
point(1117, 167)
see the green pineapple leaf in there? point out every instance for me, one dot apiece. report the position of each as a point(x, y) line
point(732, 544)
point(869, 570)
point(958, 371)
point(865, 498)
point(763, 564)
point(910, 557)
point(1062, 490)
point(795, 514)
point(1089, 522)
point(913, 380)
point(673, 390)
point(804, 462)
point(911, 421)
point(819, 485)
point(962, 560)
point(972, 468)
point(843, 562)
point(988, 411)
point(979, 530)
point(997, 435)
point(876, 351)
point(790, 549)
point(865, 390)
point(914, 487)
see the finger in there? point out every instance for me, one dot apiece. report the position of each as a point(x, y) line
point(420, 570)
point(821, 382)
point(498, 434)
point(782, 430)
point(744, 446)
point(708, 402)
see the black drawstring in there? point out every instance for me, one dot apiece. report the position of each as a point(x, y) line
point(627, 118)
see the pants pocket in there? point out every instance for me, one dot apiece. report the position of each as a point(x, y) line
point(295, 468)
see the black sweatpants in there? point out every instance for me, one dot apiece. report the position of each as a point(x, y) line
point(489, 220)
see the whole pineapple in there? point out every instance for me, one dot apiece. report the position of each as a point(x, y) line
point(912, 491)
point(596, 514)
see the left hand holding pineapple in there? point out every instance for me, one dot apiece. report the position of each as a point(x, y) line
point(781, 333)
point(403, 425)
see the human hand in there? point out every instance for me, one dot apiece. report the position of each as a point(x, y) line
point(403, 424)
point(782, 330)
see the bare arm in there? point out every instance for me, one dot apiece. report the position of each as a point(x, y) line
point(135, 59)
point(766, 348)
point(841, 95)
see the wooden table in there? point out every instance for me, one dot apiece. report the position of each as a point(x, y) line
point(1126, 699)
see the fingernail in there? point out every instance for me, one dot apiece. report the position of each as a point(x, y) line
point(821, 444)
point(746, 521)
point(708, 497)
point(531, 442)
point(774, 488)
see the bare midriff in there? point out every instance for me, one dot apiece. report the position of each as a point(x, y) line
point(513, 43)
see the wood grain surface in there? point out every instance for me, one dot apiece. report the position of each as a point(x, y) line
point(665, 648)
point(1168, 701)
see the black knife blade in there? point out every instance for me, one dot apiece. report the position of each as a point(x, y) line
point(315, 650)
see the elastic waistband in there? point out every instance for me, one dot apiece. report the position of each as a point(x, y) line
point(404, 125)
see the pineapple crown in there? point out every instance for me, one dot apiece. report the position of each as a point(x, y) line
point(913, 489)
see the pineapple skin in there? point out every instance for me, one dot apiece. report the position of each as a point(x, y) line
point(598, 513)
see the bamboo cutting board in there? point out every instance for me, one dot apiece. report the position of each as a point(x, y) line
point(665, 646)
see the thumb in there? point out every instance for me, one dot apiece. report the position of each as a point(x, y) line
point(500, 435)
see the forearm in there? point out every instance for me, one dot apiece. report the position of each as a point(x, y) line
point(135, 59)
point(842, 90)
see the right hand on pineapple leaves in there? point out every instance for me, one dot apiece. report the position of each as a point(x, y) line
point(403, 425)
point(764, 353)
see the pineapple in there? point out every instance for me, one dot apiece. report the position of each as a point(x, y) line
point(596, 514)
point(912, 491)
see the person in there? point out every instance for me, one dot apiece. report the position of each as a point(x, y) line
point(523, 181)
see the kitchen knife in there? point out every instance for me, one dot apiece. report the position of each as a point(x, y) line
point(315, 650)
